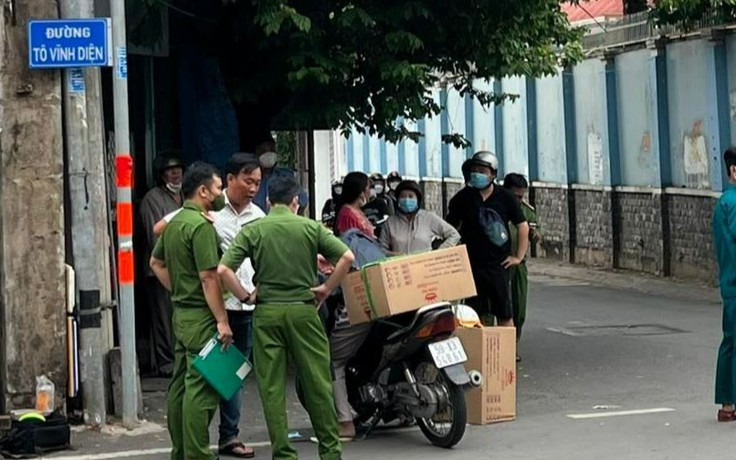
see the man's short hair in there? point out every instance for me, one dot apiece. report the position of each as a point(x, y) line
point(198, 174)
point(283, 190)
point(246, 162)
point(514, 180)
point(729, 157)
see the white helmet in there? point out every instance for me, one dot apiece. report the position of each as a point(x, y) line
point(485, 158)
point(466, 316)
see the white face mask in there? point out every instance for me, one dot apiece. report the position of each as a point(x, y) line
point(174, 188)
point(379, 189)
point(268, 160)
point(392, 185)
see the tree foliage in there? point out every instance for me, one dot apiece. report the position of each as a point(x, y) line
point(364, 64)
point(688, 13)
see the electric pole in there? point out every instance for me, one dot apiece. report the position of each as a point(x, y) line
point(124, 177)
point(88, 206)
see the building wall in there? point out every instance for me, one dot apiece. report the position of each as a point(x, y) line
point(624, 153)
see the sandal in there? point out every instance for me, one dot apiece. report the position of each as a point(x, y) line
point(237, 449)
point(726, 415)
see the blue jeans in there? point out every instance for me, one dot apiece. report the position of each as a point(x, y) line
point(241, 323)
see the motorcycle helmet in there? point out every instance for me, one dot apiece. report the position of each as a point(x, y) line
point(485, 158)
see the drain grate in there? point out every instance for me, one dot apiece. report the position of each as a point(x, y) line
point(623, 329)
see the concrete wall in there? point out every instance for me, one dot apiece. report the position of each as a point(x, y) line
point(625, 152)
point(32, 287)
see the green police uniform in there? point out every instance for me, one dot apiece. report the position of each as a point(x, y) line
point(283, 248)
point(188, 246)
point(520, 273)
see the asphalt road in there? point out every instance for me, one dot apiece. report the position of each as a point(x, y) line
point(591, 352)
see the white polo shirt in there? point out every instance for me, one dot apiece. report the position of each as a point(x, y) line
point(228, 223)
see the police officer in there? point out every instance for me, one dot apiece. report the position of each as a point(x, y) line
point(158, 202)
point(482, 212)
point(518, 186)
point(185, 261)
point(283, 248)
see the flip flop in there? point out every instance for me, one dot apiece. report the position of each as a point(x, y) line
point(229, 450)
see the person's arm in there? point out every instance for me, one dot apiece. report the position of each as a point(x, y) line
point(158, 265)
point(159, 227)
point(385, 237)
point(453, 212)
point(239, 250)
point(445, 231)
point(204, 244)
point(148, 217)
point(522, 227)
point(338, 253)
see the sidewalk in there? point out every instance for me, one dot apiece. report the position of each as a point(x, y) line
point(625, 279)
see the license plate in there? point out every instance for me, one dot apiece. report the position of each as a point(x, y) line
point(447, 352)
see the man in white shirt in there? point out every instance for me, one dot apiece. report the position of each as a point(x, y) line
point(243, 175)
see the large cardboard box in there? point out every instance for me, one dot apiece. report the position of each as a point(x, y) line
point(403, 284)
point(492, 352)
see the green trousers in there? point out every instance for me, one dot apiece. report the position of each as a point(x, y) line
point(726, 367)
point(280, 331)
point(191, 400)
point(519, 289)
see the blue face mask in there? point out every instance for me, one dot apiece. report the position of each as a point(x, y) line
point(408, 205)
point(479, 180)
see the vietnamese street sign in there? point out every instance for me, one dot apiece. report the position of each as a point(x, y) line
point(60, 43)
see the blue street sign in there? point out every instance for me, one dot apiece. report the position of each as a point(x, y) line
point(58, 43)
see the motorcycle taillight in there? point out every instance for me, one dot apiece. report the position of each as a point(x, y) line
point(445, 324)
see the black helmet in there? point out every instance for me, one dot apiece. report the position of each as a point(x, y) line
point(485, 158)
point(376, 177)
point(414, 187)
point(164, 162)
point(393, 176)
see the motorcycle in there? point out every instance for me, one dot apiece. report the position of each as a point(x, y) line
point(411, 367)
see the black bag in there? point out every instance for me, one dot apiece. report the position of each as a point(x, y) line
point(30, 438)
point(493, 226)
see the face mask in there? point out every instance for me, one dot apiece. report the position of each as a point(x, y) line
point(268, 160)
point(373, 193)
point(408, 205)
point(393, 185)
point(479, 180)
point(338, 191)
point(379, 189)
point(174, 188)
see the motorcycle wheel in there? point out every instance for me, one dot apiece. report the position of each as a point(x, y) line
point(446, 429)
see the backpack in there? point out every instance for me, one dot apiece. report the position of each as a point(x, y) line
point(366, 249)
point(30, 438)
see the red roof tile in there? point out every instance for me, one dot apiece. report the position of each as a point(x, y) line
point(596, 8)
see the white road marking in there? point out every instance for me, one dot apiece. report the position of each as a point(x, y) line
point(656, 410)
point(137, 453)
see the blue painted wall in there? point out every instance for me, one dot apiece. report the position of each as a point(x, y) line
point(639, 159)
point(699, 119)
point(688, 83)
point(551, 130)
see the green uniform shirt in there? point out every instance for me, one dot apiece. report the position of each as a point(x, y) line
point(188, 246)
point(531, 217)
point(283, 249)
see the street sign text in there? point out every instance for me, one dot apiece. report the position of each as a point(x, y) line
point(59, 43)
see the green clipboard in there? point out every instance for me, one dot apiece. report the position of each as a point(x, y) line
point(223, 370)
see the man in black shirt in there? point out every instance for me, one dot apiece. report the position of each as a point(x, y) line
point(482, 212)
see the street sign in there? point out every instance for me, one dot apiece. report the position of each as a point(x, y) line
point(61, 43)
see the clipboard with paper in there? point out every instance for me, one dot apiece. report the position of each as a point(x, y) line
point(224, 370)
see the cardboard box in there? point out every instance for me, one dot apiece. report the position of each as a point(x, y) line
point(403, 284)
point(492, 352)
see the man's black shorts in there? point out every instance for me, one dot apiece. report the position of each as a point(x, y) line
point(493, 286)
